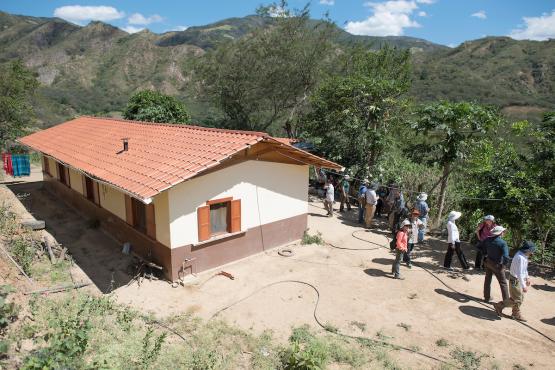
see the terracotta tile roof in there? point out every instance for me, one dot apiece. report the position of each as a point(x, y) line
point(159, 156)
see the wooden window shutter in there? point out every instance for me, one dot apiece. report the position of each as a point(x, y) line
point(68, 179)
point(128, 210)
point(150, 221)
point(84, 185)
point(203, 214)
point(96, 193)
point(235, 216)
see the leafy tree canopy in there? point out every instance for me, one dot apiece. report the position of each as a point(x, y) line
point(352, 114)
point(261, 82)
point(152, 106)
point(17, 86)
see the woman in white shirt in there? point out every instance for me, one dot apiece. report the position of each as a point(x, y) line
point(454, 242)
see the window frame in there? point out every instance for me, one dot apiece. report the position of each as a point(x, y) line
point(233, 219)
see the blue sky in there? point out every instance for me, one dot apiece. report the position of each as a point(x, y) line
point(447, 22)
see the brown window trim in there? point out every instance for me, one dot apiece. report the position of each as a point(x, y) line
point(221, 200)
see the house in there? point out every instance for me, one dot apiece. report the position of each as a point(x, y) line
point(188, 198)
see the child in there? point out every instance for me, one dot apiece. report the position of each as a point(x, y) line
point(454, 242)
point(400, 248)
point(415, 225)
point(518, 281)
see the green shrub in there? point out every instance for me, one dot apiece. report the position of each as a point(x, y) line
point(312, 239)
point(469, 360)
point(311, 356)
point(8, 311)
point(151, 349)
point(23, 252)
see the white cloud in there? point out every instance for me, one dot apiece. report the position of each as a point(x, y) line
point(422, 14)
point(327, 2)
point(138, 18)
point(479, 14)
point(177, 28)
point(390, 18)
point(427, 2)
point(536, 28)
point(132, 29)
point(79, 13)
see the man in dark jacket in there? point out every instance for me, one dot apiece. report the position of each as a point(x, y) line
point(496, 261)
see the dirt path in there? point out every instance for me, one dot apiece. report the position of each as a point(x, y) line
point(356, 290)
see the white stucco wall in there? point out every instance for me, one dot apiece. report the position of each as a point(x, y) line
point(282, 193)
point(112, 200)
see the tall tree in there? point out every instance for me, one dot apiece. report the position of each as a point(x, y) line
point(262, 81)
point(448, 132)
point(352, 114)
point(17, 86)
point(152, 106)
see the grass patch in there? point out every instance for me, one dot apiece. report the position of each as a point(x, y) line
point(312, 239)
point(467, 359)
point(360, 325)
point(442, 342)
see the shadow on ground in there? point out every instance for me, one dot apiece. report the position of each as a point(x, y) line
point(479, 313)
point(96, 253)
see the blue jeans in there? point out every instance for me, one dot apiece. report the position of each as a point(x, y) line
point(422, 231)
point(360, 213)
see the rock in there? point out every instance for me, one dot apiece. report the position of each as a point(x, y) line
point(34, 224)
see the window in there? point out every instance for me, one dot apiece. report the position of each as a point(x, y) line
point(63, 174)
point(89, 189)
point(219, 217)
point(139, 214)
point(46, 165)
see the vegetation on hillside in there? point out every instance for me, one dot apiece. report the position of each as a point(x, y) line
point(152, 106)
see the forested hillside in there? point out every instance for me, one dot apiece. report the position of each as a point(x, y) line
point(94, 69)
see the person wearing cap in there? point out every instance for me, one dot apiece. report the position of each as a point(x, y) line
point(415, 226)
point(371, 201)
point(518, 281)
point(401, 247)
point(497, 258)
point(424, 209)
point(483, 232)
point(330, 197)
point(454, 242)
point(362, 200)
point(344, 193)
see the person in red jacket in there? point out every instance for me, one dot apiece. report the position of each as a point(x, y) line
point(401, 248)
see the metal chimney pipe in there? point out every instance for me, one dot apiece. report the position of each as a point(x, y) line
point(125, 144)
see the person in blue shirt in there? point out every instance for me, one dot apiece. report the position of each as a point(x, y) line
point(497, 259)
point(362, 200)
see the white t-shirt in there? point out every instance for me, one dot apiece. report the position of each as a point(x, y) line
point(371, 197)
point(414, 231)
point(519, 268)
point(330, 193)
point(452, 232)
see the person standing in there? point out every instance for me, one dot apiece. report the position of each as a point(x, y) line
point(330, 197)
point(424, 210)
point(415, 227)
point(344, 193)
point(371, 201)
point(396, 209)
point(454, 242)
point(401, 247)
point(518, 281)
point(362, 200)
point(483, 232)
point(381, 201)
point(497, 259)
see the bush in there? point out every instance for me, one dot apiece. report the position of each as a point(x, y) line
point(8, 311)
point(312, 239)
point(23, 252)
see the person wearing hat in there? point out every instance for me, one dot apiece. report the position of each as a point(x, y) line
point(401, 248)
point(454, 242)
point(344, 193)
point(424, 209)
point(371, 201)
point(415, 226)
point(483, 232)
point(497, 258)
point(518, 281)
point(362, 200)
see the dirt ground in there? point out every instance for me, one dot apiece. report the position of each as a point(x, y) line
point(355, 287)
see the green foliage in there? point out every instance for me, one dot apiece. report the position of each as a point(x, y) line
point(352, 115)
point(23, 251)
point(151, 349)
point(442, 342)
point(8, 311)
point(17, 86)
point(153, 106)
point(261, 81)
point(311, 357)
point(468, 360)
point(312, 239)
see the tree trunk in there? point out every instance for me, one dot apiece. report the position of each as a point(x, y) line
point(442, 191)
point(544, 245)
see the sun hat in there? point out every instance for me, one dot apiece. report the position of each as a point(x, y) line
point(489, 218)
point(497, 230)
point(454, 215)
point(527, 246)
point(415, 212)
point(423, 196)
point(347, 177)
point(405, 223)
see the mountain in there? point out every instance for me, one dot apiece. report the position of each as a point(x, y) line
point(93, 69)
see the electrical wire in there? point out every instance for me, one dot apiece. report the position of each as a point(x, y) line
point(326, 328)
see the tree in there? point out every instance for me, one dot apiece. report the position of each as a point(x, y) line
point(152, 106)
point(17, 86)
point(262, 81)
point(352, 115)
point(448, 132)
